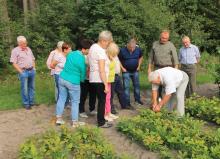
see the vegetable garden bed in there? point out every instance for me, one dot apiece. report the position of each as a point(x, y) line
point(171, 136)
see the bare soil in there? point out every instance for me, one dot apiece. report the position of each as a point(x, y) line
point(17, 125)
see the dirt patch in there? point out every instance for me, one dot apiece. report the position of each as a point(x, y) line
point(17, 125)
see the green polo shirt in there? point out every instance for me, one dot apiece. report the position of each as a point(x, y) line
point(163, 54)
point(74, 70)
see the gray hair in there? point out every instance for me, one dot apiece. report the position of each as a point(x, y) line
point(153, 76)
point(60, 44)
point(186, 38)
point(21, 39)
point(105, 35)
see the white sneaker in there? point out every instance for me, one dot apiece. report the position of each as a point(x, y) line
point(77, 124)
point(60, 121)
point(93, 112)
point(113, 116)
point(108, 118)
point(83, 115)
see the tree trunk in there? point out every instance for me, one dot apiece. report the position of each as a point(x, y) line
point(4, 19)
point(25, 9)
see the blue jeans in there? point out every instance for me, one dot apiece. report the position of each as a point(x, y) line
point(56, 79)
point(66, 87)
point(134, 76)
point(27, 87)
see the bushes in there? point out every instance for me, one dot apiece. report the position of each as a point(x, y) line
point(82, 143)
point(164, 132)
point(204, 108)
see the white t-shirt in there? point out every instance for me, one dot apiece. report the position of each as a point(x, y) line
point(170, 78)
point(61, 59)
point(97, 53)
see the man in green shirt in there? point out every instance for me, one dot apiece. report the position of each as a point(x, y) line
point(162, 54)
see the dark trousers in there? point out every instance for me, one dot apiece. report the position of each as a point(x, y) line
point(85, 90)
point(98, 89)
point(190, 70)
point(117, 87)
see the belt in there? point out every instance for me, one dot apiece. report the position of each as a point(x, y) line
point(28, 69)
point(161, 66)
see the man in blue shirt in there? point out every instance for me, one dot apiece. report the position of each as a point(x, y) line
point(188, 56)
point(131, 58)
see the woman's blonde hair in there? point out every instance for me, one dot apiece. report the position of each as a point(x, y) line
point(112, 50)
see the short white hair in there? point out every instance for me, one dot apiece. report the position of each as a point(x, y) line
point(21, 39)
point(153, 76)
point(60, 44)
point(105, 35)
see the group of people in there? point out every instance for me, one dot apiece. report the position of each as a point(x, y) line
point(96, 69)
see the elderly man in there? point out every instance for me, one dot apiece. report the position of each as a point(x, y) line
point(163, 54)
point(189, 56)
point(23, 61)
point(131, 58)
point(175, 82)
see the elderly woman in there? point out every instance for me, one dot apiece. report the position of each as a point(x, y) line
point(55, 63)
point(73, 73)
point(175, 82)
point(99, 72)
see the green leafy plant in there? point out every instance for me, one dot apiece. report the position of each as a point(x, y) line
point(204, 108)
point(85, 142)
point(171, 136)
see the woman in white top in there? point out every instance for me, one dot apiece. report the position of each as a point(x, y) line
point(99, 72)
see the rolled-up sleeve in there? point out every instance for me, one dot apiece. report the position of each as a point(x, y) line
point(13, 58)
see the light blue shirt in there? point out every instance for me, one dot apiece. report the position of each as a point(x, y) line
point(189, 55)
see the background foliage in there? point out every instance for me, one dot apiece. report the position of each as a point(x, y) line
point(47, 22)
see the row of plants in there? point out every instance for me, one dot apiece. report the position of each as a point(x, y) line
point(172, 136)
point(204, 108)
point(82, 143)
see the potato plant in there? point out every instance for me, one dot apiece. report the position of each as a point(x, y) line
point(171, 136)
point(204, 108)
point(82, 143)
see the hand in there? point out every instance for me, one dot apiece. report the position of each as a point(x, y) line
point(123, 69)
point(138, 68)
point(156, 108)
point(106, 89)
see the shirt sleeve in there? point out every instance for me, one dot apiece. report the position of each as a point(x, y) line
point(197, 52)
point(32, 55)
point(155, 87)
point(120, 55)
point(180, 56)
point(151, 55)
point(141, 53)
point(13, 58)
point(174, 55)
point(82, 69)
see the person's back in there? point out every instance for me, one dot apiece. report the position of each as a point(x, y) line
point(74, 69)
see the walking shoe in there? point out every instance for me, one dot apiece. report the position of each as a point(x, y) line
point(113, 111)
point(93, 112)
point(108, 118)
point(77, 124)
point(28, 108)
point(139, 103)
point(113, 116)
point(60, 121)
point(129, 107)
point(106, 125)
point(83, 115)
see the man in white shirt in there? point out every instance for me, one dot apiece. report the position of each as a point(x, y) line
point(175, 82)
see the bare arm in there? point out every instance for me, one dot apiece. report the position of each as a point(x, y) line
point(123, 69)
point(18, 69)
point(53, 64)
point(154, 97)
point(34, 64)
point(102, 74)
point(149, 68)
point(165, 99)
point(139, 63)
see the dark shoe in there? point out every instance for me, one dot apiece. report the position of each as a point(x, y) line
point(139, 103)
point(28, 108)
point(34, 104)
point(113, 111)
point(106, 125)
point(129, 107)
